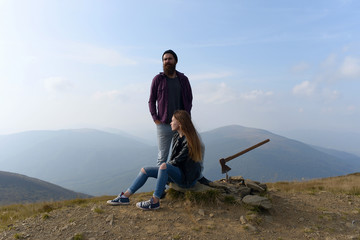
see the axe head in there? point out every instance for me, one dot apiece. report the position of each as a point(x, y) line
point(224, 167)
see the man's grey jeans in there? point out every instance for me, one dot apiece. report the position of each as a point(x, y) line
point(164, 137)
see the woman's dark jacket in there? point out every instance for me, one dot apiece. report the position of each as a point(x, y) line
point(180, 158)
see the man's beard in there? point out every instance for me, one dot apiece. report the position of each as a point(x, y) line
point(169, 69)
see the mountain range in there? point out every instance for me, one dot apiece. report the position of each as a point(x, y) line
point(105, 163)
point(16, 188)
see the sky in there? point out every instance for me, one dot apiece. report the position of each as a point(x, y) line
point(283, 66)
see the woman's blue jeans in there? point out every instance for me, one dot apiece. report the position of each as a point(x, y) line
point(170, 174)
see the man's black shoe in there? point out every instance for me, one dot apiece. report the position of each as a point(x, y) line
point(204, 181)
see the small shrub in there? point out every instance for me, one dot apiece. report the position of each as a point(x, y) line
point(78, 236)
point(253, 209)
point(45, 216)
point(197, 228)
point(174, 195)
point(46, 208)
point(209, 196)
point(229, 199)
point(176, 237)
point(78, 201)
point(18, 236)
point(354, 191)
point(211, 227)
point(4, 217)
point(253, 218)
point(98, 210)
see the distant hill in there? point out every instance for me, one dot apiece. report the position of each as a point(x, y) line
point(16, 188)
point(280, 159)
point(82, 160)
point(104, 163)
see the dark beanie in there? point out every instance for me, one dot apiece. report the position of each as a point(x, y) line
point(172, 53)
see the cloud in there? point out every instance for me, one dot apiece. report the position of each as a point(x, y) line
point(208, 76)
point(330, 95)
point(256, 94)
point(57, 84)
point(330, 61)
point(214, 93)
point(335, 69)
point(111, 94)
point(91, 54)
point(309, 89)
point(350, 68)
point(327, 110)
point(305, 88)
point(351, 108)
point(129, 93)
point(300, 67)
point(221, 93)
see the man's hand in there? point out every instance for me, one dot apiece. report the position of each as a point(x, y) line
point(157, 122)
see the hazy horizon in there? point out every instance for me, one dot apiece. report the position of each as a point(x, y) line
point(346, 142)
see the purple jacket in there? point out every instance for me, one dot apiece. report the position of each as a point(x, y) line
point(159, 94)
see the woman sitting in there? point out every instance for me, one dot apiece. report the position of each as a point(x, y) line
point(184, 167)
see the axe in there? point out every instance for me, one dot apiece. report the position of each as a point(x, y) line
point(223, 161)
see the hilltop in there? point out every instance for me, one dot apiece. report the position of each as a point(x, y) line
point(326, 208)
point(17, 188)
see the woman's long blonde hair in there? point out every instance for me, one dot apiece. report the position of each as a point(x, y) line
point(192, 137)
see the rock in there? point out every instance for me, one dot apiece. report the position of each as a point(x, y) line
point(250, 227)
point(233, 188)
point(197, 188)
point(237, 179)
point(110, 219)
point(253, 185)
point(269, 219)
point(236, 187)
point(244, 191)
point(242, 220)
point(64, 228)
point(257, 201)
point(201, 212)
point(263, 185)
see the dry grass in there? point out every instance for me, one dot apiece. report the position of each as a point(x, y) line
point(207, 197)
point(12, 213)
point(349, 184)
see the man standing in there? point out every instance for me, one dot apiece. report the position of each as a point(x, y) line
point(170, 91)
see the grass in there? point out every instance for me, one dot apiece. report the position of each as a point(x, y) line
point(207, 197)
point(11, 213)
point(78, 236)
point(18, 236)
point(348, 184)
point(98, 210)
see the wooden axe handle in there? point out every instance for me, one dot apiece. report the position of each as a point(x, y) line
point(246, 150)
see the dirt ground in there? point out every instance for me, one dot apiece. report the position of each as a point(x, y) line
point(293, 216)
